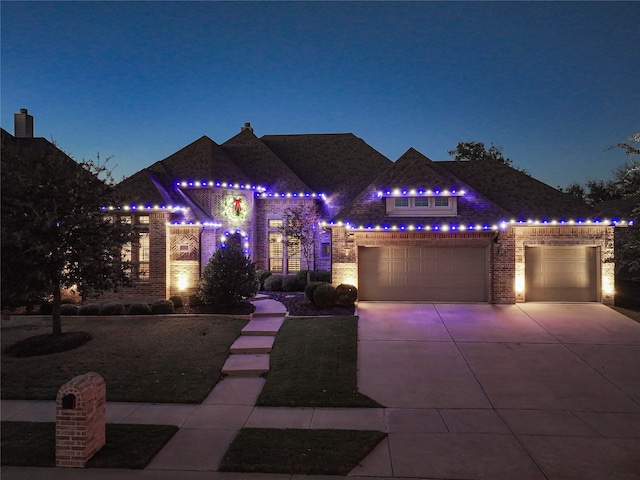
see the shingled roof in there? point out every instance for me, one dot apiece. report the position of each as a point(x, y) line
point(262, 166)
point(413, 170)
point(340, 165)
point(524, 197)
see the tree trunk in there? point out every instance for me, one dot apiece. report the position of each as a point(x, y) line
point(55, 312)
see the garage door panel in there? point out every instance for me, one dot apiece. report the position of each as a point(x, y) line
point(561, 274)
point(448, 274)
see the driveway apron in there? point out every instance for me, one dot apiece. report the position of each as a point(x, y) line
point(504, 391)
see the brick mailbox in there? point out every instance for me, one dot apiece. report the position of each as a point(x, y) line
point(81, 411)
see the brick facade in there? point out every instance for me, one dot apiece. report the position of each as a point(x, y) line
point(505, 254)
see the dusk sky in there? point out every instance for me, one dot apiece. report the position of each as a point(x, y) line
point(554, 84)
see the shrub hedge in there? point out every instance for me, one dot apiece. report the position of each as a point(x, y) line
point(139, 309)
point(162, 307)
point(346, 295)
point(68, 309)
point(324, 296)
point(273, 283)
point(89, 309)
point(177, 301)
point(112, 309)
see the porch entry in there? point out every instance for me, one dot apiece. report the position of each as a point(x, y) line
point(425, 274)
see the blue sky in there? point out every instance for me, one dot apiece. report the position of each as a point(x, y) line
point(554, 84)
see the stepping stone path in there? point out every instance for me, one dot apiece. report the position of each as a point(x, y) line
point(250, 352)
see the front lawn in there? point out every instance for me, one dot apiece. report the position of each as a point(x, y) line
point(302, 452)
point(158, 360)
point(314, 364)
point(28, 444)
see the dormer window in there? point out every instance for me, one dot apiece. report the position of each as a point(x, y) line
point(424, 206)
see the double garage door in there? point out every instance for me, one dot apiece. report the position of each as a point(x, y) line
point(425, 274)
point(561, 274)
point(460, 274)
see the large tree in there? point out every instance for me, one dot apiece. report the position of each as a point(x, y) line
point(55, 234)
point(477, 151)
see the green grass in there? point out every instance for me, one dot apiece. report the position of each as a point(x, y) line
point(302, 452)
point(163, 360)
point(314, 364)
point(127, 446)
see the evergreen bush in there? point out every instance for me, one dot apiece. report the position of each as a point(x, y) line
point(262, 275)
point(290, 283)
point(229, 276)
point(162, 307)
point(139, 309)
point(324, 296)
point(309, 289)
point(68, 309)
point(273, 283)
point(112, 309)
point(346, 295)
point(89, 309)
point(194, 301)
point(177, 301)
point(315, 276)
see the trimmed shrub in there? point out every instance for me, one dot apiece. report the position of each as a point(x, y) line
point(162, 307)
point(89, 309)
point(177, 301)
point(68, 301)
point(324, 296)
point(194, 301)
point(346, 295)
point(262, 275)
point(323, 276)
point(290, 283)
point(68, 309)
point(309, 289)
point(112, 309)
point(139, 309)
point(273, 283)
point(315, 276)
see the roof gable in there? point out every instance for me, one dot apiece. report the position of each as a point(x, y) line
point(339, 165)
point(261, 164)
point(416, 171)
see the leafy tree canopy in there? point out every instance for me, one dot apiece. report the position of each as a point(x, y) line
point(54, 234)
point(300, 228)
point(477, 151)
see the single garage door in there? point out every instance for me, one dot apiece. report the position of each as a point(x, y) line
point(434, 274)
point(561, 274)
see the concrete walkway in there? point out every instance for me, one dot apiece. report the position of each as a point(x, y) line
point(473, 391)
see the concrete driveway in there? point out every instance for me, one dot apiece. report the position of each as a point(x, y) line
point(527, 391)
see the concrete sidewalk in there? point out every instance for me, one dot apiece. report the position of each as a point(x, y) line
point(475, 391)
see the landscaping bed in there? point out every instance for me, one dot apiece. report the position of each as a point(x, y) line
point(298, 305)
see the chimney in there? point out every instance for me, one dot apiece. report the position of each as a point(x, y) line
point(247, 126)
point(23, 124)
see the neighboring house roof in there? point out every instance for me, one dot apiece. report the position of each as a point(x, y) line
point(524, 197)
point(339, 165)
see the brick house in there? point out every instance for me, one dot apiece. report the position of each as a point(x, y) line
point(409, 230)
